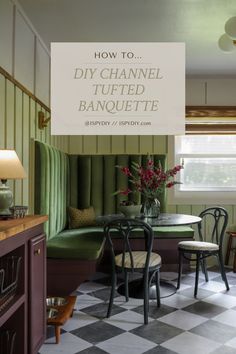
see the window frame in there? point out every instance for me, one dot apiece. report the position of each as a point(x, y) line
point(203, 120)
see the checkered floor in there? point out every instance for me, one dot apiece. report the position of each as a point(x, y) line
point(182, 325)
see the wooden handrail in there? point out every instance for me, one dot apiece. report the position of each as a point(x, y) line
point(23, 88)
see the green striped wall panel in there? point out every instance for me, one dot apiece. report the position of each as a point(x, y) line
point(118, 144)
point(2, 111)
point(18, 138)
point(26, 147)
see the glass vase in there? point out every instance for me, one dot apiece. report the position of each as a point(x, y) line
point(151, 208)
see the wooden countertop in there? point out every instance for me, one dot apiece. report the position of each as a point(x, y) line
point(11, 227)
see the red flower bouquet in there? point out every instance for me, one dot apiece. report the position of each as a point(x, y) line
point(150, 180)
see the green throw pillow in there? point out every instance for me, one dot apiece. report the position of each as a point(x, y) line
point(81, 217)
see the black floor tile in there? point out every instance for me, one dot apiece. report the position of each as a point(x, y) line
point(92, 350)
point(51, 332)
point(103, 294)
point(100, 310)
point(97, 332)
point(157, 332)
point(215, 331)
point(154, 311)
point(159, 350)
point(204, 309)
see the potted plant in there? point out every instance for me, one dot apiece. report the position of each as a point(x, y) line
point(130, 209)
point(150, 181)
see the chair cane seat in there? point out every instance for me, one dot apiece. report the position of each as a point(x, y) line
point(139, 259)
point(198, 246)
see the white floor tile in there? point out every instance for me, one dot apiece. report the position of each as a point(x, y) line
point(231, 343)
point(86, 300)
point(127, 343)
point(127, 320)
point(212, 285)
point(182, 319)
point(132, 303)
point(69, 344)
point(78, 320)
point(183, 287)
point(223, 300)
point(188, 343)
point(211, 275)
point(231, 274)
point(169, 275)
point(178, 301)
point(228, 317)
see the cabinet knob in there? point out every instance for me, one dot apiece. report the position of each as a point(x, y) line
point(37, 252)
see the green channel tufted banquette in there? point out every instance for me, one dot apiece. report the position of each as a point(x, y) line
point(81, 181)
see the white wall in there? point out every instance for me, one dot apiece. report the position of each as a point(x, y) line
point(22, 52)
point(211, 92)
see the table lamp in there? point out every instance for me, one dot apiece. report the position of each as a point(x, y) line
point(10, 168)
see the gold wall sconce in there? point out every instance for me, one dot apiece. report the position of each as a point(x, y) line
point(42, 121)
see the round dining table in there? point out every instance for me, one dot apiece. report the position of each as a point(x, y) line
point(167, 287)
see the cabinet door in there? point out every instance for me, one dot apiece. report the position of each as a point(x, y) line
point(37, 292)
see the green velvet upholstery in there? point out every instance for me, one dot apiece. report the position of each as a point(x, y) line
point(93, 179)
point(87, 243)
point(173, 232)
point(63, 180)
point(51, 187)
point(81, 244)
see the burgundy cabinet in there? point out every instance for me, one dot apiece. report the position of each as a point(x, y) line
point(23, 313)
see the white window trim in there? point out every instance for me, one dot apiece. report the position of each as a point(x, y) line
point(175, 196)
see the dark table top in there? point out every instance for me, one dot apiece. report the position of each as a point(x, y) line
point(162, 220)
point(173, 220)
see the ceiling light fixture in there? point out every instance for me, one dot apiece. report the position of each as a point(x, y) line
point(227, 42)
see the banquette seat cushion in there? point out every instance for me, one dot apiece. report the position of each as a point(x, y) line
point(198, 246)
point(84, 243)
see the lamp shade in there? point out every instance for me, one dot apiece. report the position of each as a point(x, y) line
point(230, 27)
point(10, 165)
point(226, 44)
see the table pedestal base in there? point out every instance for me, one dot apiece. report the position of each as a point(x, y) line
point(136, 289)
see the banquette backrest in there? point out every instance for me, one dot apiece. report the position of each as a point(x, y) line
point(80, 181)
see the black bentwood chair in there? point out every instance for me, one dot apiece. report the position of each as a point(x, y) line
point(145, 262)
point(213, 224)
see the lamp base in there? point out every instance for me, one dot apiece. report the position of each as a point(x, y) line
point(6, 199)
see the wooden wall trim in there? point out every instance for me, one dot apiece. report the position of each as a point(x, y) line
point(210, 111)
point(23, 88)
point(210, 120)
point(210, 128)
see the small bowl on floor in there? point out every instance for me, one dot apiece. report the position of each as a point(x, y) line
point(56, 301)
point(51, 313)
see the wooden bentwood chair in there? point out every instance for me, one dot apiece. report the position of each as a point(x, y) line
point(145, 262)
point(213, 224)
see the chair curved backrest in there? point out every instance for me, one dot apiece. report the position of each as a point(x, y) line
point(125, 228)
point(213, 225)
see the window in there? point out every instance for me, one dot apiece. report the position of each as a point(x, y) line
point(209, 173)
